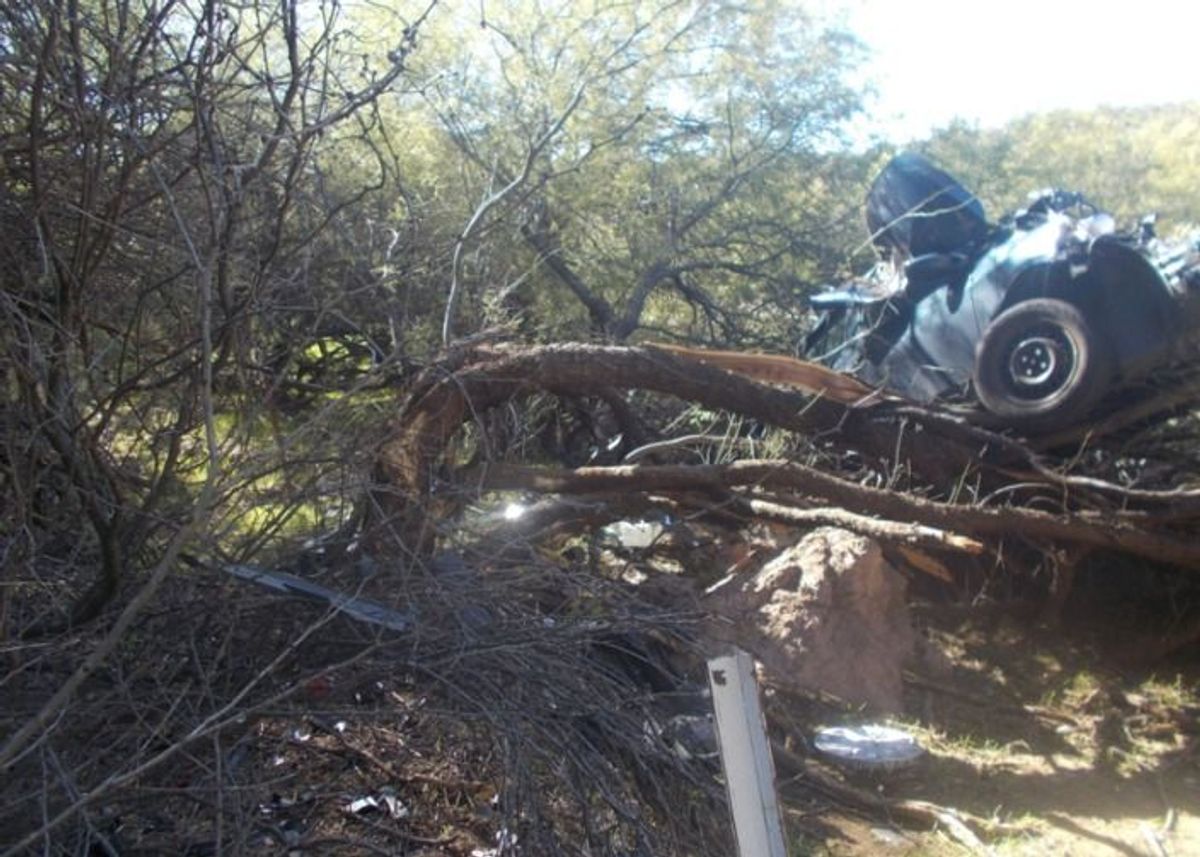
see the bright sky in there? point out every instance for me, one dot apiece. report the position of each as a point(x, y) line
point(992, 61)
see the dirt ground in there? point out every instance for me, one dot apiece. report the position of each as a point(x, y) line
point(1032, 732)
point(1043, 733)
point(1043, 738)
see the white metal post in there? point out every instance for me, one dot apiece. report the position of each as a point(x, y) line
point(746, 756)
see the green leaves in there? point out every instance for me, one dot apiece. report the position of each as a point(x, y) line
point(1128, 160)
point(607, 166)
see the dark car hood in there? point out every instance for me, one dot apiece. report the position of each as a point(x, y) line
point(916, 208)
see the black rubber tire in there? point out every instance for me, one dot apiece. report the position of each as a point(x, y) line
point(1040, 366)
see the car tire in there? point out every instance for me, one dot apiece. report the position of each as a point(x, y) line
point(1040, 366)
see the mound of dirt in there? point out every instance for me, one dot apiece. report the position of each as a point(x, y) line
point(829, 615)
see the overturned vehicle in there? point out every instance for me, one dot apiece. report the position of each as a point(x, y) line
point(1037, 317)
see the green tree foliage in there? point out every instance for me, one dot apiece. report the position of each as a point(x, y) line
point(272, 205)
point(1130, 161)
point(627, 165)
point(219, 218)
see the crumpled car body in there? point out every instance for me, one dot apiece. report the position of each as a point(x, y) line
point(1036, 318)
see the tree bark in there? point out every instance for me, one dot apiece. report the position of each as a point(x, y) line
point(941, 450)
point(443, 401)
point(1130, 532)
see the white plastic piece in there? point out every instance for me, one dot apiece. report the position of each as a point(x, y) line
point(868, 746)
point(634, 534)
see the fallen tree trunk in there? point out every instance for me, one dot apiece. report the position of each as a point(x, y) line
point(1127, 532)
point(478, 380)
point(940, 448)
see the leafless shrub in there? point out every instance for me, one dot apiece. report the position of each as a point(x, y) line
point(204, 729)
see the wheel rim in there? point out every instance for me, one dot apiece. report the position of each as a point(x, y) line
point(1040, 363)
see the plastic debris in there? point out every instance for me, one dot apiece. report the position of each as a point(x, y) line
point(868, 746)
point(361, 609)
point(392, 804)
point(362, 804)
point(634, 534)
point(384, 801)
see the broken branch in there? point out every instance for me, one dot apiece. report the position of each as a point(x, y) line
point(1118, 531)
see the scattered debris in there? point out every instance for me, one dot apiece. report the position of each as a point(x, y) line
point(352, 605)
point(395, 808)
point(868, 747)
point(384, 800)
point(634, 534)
point(362, 804)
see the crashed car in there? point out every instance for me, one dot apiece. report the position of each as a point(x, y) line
point(1035, 318)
